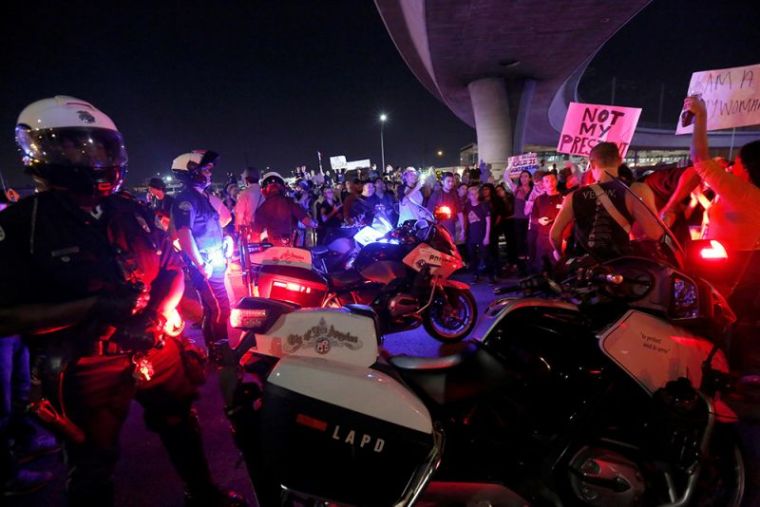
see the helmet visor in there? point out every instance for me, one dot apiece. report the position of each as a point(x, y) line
point(95, 148)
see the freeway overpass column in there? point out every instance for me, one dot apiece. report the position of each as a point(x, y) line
point(492, 122)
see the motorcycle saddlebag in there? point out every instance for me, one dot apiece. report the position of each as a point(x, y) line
point(343, 433)
point(296, 285)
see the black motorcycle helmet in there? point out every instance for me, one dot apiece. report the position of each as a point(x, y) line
point(68, 143)
point(188, 167)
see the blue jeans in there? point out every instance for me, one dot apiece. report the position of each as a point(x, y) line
point(14, 395)
point(14, 379)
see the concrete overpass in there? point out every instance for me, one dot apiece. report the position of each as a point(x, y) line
point(509, 68)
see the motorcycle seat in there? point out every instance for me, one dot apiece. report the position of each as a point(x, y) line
point(465, 375)
point(426, 363)
point(319, 251)
point(345, 279)
point(365, 310)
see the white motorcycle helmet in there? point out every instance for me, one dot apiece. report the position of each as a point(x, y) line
point(69, 143)
point(188, 167)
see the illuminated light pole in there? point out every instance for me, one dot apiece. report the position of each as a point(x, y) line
point(383, 118)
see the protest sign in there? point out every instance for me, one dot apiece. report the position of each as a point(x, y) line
point(586, 125)
point(338, 162)
point(520, 163)
point(732, 97)
point(358, 164)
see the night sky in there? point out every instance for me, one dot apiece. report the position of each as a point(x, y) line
point(662, 46)
point(274, 82)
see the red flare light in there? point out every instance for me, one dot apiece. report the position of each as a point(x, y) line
point(715, 251)
point(443, 213)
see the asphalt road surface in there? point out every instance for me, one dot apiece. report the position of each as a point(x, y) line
point(144, 476)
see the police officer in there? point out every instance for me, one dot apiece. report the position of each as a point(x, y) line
point(160, 202)
point(88, 279)
point(279, 214)
point(198, 219)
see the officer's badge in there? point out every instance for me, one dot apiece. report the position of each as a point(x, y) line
point(86, 117)
point(2, 233)
point(185, 206)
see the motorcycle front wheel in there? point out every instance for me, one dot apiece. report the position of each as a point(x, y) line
point(451, 316)
point(722, 480)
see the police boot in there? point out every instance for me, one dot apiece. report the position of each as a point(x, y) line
point(182, 439)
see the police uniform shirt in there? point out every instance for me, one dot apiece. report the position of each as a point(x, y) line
point(163, 205)
point(278, 216)
point(192, 209)
point(51, 251)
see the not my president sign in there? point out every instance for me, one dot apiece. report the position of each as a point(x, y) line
point(587, 125)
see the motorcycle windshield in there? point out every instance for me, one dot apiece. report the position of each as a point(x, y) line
point(624, 222)
point(442, 241)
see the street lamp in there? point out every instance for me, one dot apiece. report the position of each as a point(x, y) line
point(383, 118)
point(440, 153)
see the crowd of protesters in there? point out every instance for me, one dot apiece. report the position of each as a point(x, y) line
point(501, 226)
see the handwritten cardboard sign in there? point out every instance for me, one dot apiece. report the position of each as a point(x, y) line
point(587, 125)
point(522, 162)
point(358, 164)
point(338, 162)
point(732, 97)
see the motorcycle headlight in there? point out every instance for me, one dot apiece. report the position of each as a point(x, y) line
point(684, 303)
point(216, 258)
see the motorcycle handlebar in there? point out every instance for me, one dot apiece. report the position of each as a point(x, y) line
point(538, 282)
point(504, 290)
point(611, 278)
point(533, 282)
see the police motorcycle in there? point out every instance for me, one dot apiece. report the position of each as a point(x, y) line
point(403, 273)
point(606, 388)
point(343, 244)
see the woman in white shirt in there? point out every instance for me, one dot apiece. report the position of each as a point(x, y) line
point(410, 198)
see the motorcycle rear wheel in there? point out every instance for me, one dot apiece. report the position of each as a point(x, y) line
point(723, 476)
point(448, 328)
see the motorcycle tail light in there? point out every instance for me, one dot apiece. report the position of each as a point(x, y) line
point(241, 318)
point(292, 286)
point(443, 213)
point(715, 251)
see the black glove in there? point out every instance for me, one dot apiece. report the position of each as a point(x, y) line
point(116, 307)
point(140, 333)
